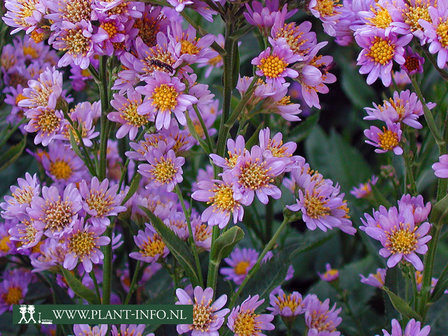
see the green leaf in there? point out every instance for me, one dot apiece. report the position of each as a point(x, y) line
point(12, 154)
point(236, 65)
point(301, 131)
point(176, 246)
point(402, 306)
point(439, 211)
point(225, 243)
point(133, 188)
point(79, 288)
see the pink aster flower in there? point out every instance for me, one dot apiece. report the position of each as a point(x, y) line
point(399, 235)
point(55, 213)
point(21, 196)
point(114, 32)
point(126, 113)
point(47, 122)
point(319, 318)
point(274, 147)
point(235, 148)
point(413, 328)
point(300, 39)
point(208, 317)
point(219, 194)
point(364, 189)
point(386, 140)
point(85, 329)
point(376, 280)
point(378, 17)
point(83, 245)
point(178, 224)
point(24, 15)
point(328, 12)
point(84, 116)
point(241, 262)
point(287, 306)
point(150, 244)
point(331, 274)
point(179, 5)
point(13, 288)
point(25, 233)
point(101, 200)
point(420, 210)
point(379, 52)
point(164, 168)
point(243, 320)
point(274, 65)
point(164, 95)
point(441, 167)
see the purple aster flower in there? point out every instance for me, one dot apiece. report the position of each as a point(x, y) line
point(420, 210)
point(399, 235)
point(83, 245)
point(274, 65)
point(63, 165)
point(299, 38)
point(101, 200)
point(85, 329)
point(328, 11)
point(215, 59)
point(13, 288)
point(413, 328)
point(47, 122)
point(177, 222)
point(364, 189)
point(319, 318)
point(235, 148)
point(208, 317)
point(241, 262)
point(24, 14)
point(244, 321)
point(152, 248)
point(330, 275)
point(25, 233)
point(114, 30)
point(202, 233)
point(219, 194)
point(378, 17)
point(179, 5)
point(164, 168)
point(53, 213)
point(254, 174)
point(441, 167)
point(274, 147)
point(126, 113)
point(83, 115)
point(376, 280)
point(51, 254)
point(287, 306)
point(21, 196)
point(379, 52)
point(8, 245)
point(164, 95)
point(65, 10)
point(386, 140)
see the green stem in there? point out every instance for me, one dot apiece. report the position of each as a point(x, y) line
point(213, 266)
point(133, 282)
point(204, 128)
point(95, 282)
point(257, 265)
point(269, 219)
point(409, 176)
point(107, 268)
point(190, 231)
point(104, 121)
point(443, 73)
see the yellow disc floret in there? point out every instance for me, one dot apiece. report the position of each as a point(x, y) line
point(382, 51)
point(402, 239)
point(272, 66)
point(164, 98)
point(388, 140)
point(61, 169)
point(82, 244)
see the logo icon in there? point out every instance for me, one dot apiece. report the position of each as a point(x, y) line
point(24, 310)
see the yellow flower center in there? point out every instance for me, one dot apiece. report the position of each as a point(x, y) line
point(76, 43)
point(82, 244)
point(164, 171)
point(277, 149)
point(57, 215)
point(382, 18)
point(245, 324)
point(241, 267)
point(13, 295)
point(188, 48)
point(129, 113)
point(158, 59)
point(202, 316)
point(19, 98)
point(381, 51)
point(61, 170)
point(319, 322)
point(26, 9)
point(327, 7)
point(284, 101)
point(76, 11)
point(24, 195)
point(48, 121)
point(288, 301)
point(402, 239)
point(201, 233)
point(153, 247)
point(418, 277)
point(164, 98)
point(223, 198)
point(28, 233)
point(99, 202)
point(388, 140)
point(316, 206)
point(110, 28)
point(37, 37)
point(442, 33)
point(412, 14)
point(378, 277)
point(331, 273)
point(272, 66)
point(293, 36)
point(4, 247)
point(148, 27)
point(28, 50)
point(254, 176)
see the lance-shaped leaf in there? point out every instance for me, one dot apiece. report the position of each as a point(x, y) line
point(402, 306)
point(79, 289)
point(133, 188)
point(12, 154)
point(177, 247)
point(225, 243)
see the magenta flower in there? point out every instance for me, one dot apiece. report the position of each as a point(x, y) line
point(274, 65)
point(24, 15)
point(13, 288)
point(244, 321)
point(319, 318)
point(100, 200)
point(379, 52)
point(219, 194)
point(126, 114)
point(208, 317)
point(376, 280)
point(399, 235)
point(413, 328)
point(21, 196)
point(152, 248)
point(83, 245)
point(164, 95)
point(364, 189)
point(241, 262)
point(386, 140)
point(287, 306)
point(53, 213)
point(441, 168)
point(420, 210)
point(331, 274)
point(85, 329)
point(47, 122)
point(299, 38)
